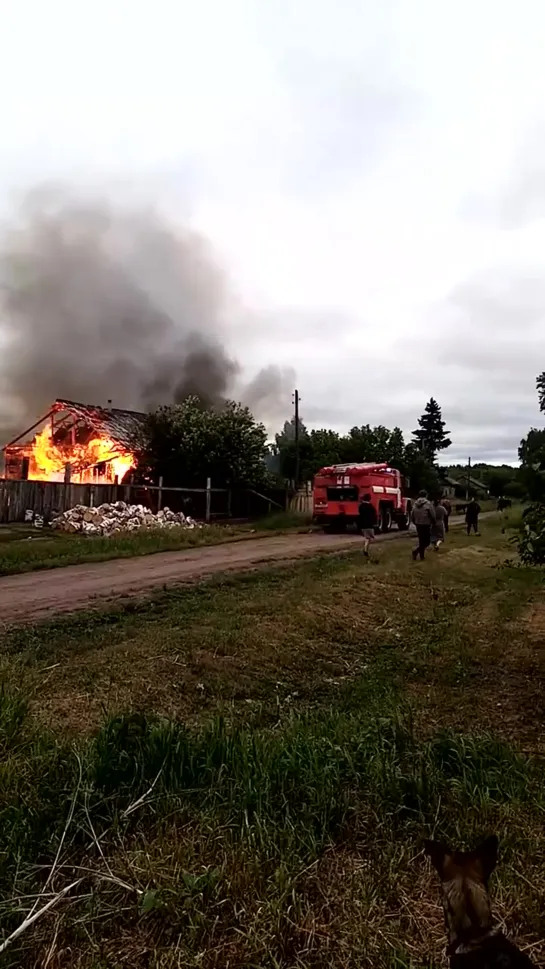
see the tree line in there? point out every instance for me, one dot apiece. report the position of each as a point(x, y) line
point(188, 442)
point(320, 448)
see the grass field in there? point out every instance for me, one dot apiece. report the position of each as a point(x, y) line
point(240, 773)
point(24, 549)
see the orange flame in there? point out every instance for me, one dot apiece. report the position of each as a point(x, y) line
point(48, 460)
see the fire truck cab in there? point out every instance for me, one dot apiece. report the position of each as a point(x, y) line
point(338, 490)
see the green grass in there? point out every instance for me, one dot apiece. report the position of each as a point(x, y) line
point(25, 550)
point(241, 836)
point(278, 521)
point(292, 735)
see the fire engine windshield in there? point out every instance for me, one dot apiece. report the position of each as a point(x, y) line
point(345, 493)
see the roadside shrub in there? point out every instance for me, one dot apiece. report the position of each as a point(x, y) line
point(531, 539)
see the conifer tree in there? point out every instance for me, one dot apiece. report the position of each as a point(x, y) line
point(430, 434)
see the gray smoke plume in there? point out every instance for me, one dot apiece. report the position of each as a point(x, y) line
point(104, 303)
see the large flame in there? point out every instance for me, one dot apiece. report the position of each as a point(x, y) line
point(48, 460)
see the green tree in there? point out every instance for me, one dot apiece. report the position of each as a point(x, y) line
point(285, 448)
point(323, 447)
point(532, 460)
point(325, 450)
point(358, 445)
point(532, 449)
point(540, 384)
point(185, 444)
point(516, 488)
point(421, 471)
point(430, 434)
point(396, 448)
point(498, 483)
point(368, 443)
point(531, 542)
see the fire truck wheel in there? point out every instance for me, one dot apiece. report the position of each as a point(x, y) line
point(385, 520)
point(403, 523)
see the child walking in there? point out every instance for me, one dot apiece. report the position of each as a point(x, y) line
point(367, 519)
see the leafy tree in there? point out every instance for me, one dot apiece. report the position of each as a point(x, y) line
point(540, 384)
point(430, 434)
point(185, 444)
point(421, 471)
point(368, 443)
point(316, 450)
point(358, 445)
point(532, 449)
point(532, 460)
point(287, 433)
point(498, 482)
point(325, 449)
point(516, 488)
point(396, 450)
point(285, 448)
point(531, 541)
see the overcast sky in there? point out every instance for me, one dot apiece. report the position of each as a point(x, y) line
point(372, 176)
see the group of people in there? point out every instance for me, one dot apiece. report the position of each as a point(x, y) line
point(431, 520)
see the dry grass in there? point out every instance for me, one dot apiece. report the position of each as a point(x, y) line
point(366, 693)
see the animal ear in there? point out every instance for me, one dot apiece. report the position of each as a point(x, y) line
point(487, 855)
point(438, 854)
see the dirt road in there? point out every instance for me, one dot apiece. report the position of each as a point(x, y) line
point(36, 595)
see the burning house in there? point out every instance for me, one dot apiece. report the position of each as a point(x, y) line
point(89, 444)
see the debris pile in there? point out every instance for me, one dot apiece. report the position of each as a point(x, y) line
point(117, 518)
point(34, 518)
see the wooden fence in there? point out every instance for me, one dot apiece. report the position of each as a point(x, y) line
point(48, 498)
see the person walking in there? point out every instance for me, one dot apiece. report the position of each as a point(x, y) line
point(473, 511)
point(367, 519)
point(423, 516)
point(438, 528)
point(448, 508)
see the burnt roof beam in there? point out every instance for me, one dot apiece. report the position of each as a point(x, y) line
point(29, 429)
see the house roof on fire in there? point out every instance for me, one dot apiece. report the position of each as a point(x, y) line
point(113, 422)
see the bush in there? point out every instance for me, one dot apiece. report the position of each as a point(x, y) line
point(531, 541)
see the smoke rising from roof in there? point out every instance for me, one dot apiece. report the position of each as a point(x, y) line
point(105, 303)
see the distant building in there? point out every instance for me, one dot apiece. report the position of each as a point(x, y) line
point(457, 488)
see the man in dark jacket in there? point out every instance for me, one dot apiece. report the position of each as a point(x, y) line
point(473, 511)
point(423, 516)
point(367, 519)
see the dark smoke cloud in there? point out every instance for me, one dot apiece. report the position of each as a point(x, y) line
point(105, 303)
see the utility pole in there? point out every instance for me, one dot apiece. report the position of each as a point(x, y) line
point(296, 399)
point(468, 484)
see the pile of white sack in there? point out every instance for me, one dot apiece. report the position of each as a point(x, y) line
point(117, 518)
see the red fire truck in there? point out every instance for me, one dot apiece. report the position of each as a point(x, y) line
point(338, 490)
